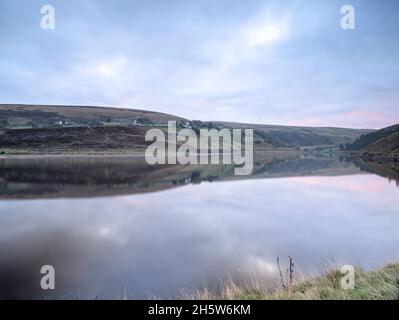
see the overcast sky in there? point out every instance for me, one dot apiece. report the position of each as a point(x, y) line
point(275, 62)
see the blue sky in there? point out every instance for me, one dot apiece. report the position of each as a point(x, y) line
point(275, 62)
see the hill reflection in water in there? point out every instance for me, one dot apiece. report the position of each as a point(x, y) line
point(108, 176)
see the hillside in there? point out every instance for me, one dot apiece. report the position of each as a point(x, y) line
point(44, 127)
point(382, 143)
point(76, 138)
point(295, 136)
point(15, 116)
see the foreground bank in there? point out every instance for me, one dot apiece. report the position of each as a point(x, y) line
point(379, 284)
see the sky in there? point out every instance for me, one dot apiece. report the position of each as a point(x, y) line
point(257, 61)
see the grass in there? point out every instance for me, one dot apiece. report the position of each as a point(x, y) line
point(380, 284)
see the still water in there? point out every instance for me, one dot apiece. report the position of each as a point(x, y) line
point(113, 229)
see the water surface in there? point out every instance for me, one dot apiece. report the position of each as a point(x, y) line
point(122, 229)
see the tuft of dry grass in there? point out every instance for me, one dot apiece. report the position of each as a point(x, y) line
point(253, 287)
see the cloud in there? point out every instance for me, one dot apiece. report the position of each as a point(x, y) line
point(110, 69)
point(260, 62)
point(267, 33)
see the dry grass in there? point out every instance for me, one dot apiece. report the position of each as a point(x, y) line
point(381, 284)
point(253, 287)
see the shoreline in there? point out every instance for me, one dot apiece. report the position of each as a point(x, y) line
point(45, 154)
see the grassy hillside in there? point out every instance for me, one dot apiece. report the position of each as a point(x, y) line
point(76, 138)
point(13, 116)
point(380, 143)
point(380, 284)
point(80, 127)
point(292, 136)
